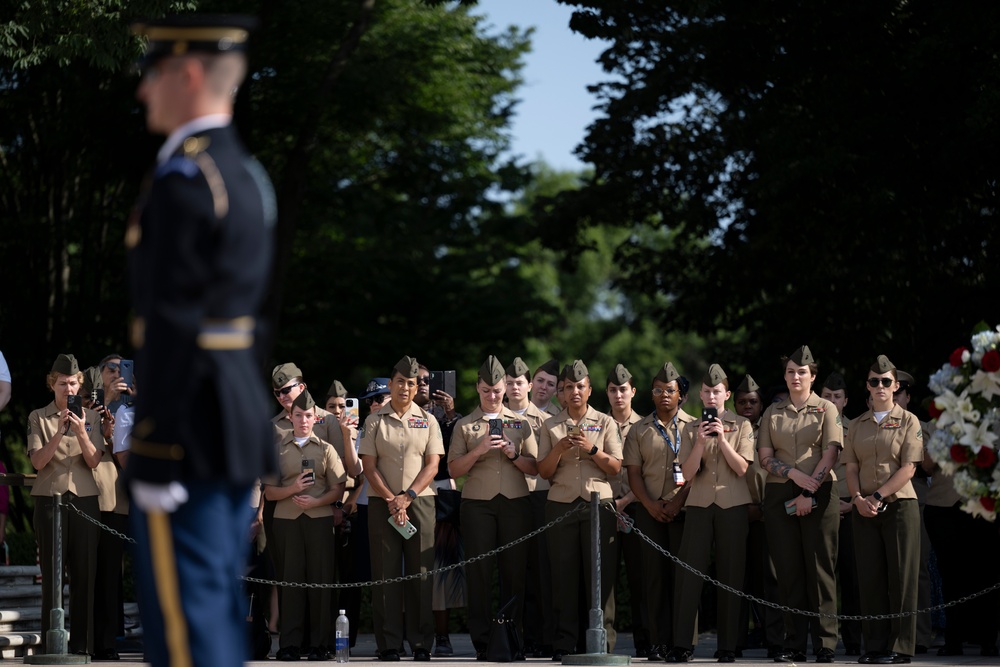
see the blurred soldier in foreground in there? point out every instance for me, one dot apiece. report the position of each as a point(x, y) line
point(200, 250)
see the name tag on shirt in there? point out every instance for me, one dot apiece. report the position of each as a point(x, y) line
point(415, 422)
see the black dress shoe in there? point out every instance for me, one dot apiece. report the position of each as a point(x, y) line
point(893, 658)
point(107, 654)
point(678, 654)
point(787, 655)
point(389, 655)
point(557, 655)
point(421, 655)
point(656, 653)
point(288, 653)
point(543, 651)
point(773, 651)
point(642, 651)
point(318, 653)
point(824, 655)
point(727, 656)
point(481, 656)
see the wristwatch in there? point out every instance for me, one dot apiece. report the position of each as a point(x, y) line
point(338, 505)
point(877, 496)
point(593, 450)
point(412, 494)
point(807, 493)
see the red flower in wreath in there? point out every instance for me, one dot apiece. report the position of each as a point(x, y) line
point(991, 361)
point(956, 357)
point(988, 503)
point(986, 458)
point(934, 411)
point(959, 454)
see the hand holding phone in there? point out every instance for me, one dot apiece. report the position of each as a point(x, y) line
point(307, 470)
point(407, 530)
point(710, 415)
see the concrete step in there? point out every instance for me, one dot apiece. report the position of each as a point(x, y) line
point(20, 591)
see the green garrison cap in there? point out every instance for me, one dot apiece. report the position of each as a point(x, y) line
point(834, 382)
point(619, 375)
point(748, 385)
point(304, 401)
point(802, 356)
point(518, 368)
point(551, 367)
point(65, 364)
point(184, 34)
point(715, 375)
point(491, 372)
point(337, 389)
point(577, 371)
point(283, 373)
point(905, 379)
point(882, 365)
point(668, 373)
point(91, 380)
point(407, 367)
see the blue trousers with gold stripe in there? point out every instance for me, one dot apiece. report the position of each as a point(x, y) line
point(188, 565)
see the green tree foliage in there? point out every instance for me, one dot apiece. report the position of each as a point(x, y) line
point(382, 124)
point(820, 172)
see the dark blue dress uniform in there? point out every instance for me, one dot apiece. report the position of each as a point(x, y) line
point(200, 256)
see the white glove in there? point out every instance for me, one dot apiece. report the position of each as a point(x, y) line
point(158, 497)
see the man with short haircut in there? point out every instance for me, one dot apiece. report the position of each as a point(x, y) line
point(543, 386)
point(200, 254)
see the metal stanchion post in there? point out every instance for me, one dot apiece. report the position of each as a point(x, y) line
point(56, 639)
point(597, 636)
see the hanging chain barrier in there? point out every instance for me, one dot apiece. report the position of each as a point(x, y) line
point(581, 507)
point(784, 608)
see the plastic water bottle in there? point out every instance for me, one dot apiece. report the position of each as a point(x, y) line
point(343, 638)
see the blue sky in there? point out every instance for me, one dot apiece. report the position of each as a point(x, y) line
point(555, 107)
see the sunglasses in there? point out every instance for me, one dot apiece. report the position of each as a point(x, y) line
point(885, 382)
point(423, 381)
point(112, 366)
point(285, 391)
point(376, 399)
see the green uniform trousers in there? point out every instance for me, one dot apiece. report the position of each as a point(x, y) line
point(571, 556)
point(887, 553)
point(307, 556)
point(486, 525)
point(539, 621)
point(727, 529)
point(631, 547)
point(803, 550)
point(393, 556)
point(109, 615)
point(661, 574)
point(79, 539)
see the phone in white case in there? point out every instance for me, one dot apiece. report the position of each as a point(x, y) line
point(407, 530)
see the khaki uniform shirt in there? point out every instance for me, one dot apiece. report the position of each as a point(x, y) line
point(399, 444)
point(66, 471)
point(112, 495)
point(840, 468)
point(536, 418)
point(493, 474)
point(552, 409)
point(799, 437)
point(619, 483)
point(577, 475)
point(326, 428)
point(716, 482)
point(880, 449)
point(645, 447)
point(328, 471)
point(756, 476)
point(942, 492)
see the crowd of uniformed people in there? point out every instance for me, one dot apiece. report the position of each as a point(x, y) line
point(775, 493)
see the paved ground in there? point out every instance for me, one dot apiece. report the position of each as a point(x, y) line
point(364, 654)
